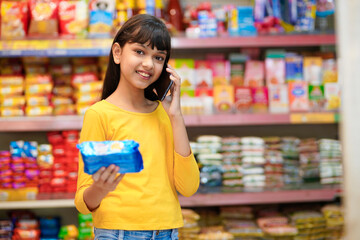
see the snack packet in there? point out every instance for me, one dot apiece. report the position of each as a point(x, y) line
point(124, 154)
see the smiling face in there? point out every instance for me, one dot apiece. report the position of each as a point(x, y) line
point(140, 65)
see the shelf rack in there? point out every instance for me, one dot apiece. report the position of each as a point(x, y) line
point(209, 199)
point(101, 47)
point(57, 123)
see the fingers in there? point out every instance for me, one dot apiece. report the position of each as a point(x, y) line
point(174, 75)
point(106, 174)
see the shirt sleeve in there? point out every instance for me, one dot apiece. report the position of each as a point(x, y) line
point(92, 130)
point(186, 173)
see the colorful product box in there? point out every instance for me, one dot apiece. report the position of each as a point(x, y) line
point(205, 95)
point(275, 71)
point(224, 98)
point(294, 68)
point(221, 72)
point(243, 99)
point(203, 74)
point(298, 96)
point(186, 69)
point(237, 69)
point(316, 98)
point(254, 74)
point(332, 96)
point(260, 99)
point(278, 98)
point(313, 70)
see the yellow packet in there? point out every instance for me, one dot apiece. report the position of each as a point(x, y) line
point(11, 80)
point(13, 101)
point(39, 111)
point(11, 112)
point(11, 90)
point(38, 89)
point(37, 101)
point(67, 109)
point(87, 97)
point(58, 101)
point(64, 91)
point(89, 87)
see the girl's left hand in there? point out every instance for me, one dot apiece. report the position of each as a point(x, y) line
point(172, 102)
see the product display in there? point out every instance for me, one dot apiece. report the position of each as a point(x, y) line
point(228, 83)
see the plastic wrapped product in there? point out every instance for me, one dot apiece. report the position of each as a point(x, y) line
point(124, 154)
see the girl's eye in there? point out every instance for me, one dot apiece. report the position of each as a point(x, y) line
point(159, 58)
point(140, 52)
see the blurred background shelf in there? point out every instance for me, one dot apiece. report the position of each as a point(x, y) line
point(101, 47)
point(203, 199)
point(53, 123)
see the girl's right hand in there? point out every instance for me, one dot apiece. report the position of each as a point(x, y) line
point(106, 180)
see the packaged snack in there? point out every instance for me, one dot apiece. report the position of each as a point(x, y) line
point(298, 96)
point(38, 89)
point(275, 67)
point(11, 112)
point(186, 69)
point(237, 68)
point(14, 19)
point(33, 101)
point(39, 111)
point(203, 74)
point(329, 71)
point(11, 80)
point(313, 70)
point(73, 17)
point(224, 98)
point(124, 154)
point(316, 98)
point(254, 74)
point(38, 79)
point(221, 72)
point(278, 98)
point(294, 68)
point(13, 101)
point(44, 17)
point(332, 96)
point(243, 99)
point(260, 99)
point(11, 90)
point(101, 17)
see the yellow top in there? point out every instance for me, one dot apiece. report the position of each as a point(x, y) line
point(147, 200)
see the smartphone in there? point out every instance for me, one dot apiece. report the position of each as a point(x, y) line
point(162, 86)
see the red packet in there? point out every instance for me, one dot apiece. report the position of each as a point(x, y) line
point(14, 19)
point(260, 99)
point(254, 74)
point(243, 99)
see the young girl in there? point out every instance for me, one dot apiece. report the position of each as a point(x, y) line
point(140, 205)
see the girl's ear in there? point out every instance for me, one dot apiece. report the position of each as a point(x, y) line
point(116, 51)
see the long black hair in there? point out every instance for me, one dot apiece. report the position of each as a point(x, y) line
point(141, 28)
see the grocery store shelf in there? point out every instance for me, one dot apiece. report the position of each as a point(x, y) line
point(53, 123)
point(37, 204)
point(48, 123)
point(302, 40)
point(101, 47)
point(208, 199)
point(266, 197)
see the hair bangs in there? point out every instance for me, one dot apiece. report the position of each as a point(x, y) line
point(153, 35)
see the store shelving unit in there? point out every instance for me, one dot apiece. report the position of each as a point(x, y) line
point(324, 194)
point(101, 47)
point(56, 123)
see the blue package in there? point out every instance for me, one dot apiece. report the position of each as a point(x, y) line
point(294, 68)
point(124, 154)
point(246, 21)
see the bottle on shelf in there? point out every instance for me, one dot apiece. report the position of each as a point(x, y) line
point(175, 14)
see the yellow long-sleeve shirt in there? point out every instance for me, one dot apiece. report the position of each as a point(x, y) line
point(146, 200)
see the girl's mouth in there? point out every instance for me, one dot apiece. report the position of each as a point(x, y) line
point(144, 74)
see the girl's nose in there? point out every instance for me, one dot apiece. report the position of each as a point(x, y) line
point(148, 63)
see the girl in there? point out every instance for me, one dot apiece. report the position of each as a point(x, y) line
point(138, 205)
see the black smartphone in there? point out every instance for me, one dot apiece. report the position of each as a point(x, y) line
point(162, 86)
